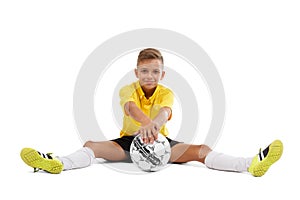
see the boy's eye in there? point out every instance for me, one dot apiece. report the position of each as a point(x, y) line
point(145, 71)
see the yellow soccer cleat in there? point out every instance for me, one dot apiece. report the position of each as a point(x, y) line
point(37, 160)
point(264, 159)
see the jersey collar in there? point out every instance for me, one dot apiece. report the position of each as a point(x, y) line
point(141, 92)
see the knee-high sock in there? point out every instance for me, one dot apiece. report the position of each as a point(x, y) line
point(220, 161)
point(79, 159)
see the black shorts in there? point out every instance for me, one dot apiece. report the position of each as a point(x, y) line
point(125, 142)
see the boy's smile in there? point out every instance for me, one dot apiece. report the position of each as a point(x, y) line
point(149, 72)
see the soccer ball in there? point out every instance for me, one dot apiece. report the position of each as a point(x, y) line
point(150, 157)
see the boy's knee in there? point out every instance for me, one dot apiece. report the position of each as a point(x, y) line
point(204, 150)
point(88, 144)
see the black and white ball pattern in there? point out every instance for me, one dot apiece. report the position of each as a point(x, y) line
point(150, 157)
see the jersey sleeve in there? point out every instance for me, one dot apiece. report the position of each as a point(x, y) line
point(126, 94)
point(167, 100)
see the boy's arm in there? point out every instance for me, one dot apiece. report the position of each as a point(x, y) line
point(133, 111)
point(149, 128)
point(150, 132)
point(162, 117)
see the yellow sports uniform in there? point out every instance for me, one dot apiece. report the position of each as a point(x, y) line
point(162, 97)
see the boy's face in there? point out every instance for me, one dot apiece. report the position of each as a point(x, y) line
point(149, 72)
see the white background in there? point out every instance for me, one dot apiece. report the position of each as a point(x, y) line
point(255, 46)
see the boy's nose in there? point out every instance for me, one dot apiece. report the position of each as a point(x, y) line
point(149, 75)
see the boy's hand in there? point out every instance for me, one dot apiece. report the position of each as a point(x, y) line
point(149, 132)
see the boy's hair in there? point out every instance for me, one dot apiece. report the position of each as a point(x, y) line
point(150, 53)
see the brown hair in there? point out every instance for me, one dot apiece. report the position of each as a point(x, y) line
point(150, 53)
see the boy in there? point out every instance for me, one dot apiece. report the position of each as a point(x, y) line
point(147, 107)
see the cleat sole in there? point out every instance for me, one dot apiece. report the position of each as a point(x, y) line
point(274, 154)
point(33, 159)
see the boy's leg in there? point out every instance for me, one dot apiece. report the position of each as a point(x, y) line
point(84, 157)
point(107, 150)
point(257, 165)
point(184, 153)
point(220, 161)
point(181, 153)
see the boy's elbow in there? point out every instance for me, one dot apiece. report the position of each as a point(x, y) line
point(167, 112)
point(128, 107)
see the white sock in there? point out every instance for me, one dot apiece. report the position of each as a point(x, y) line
point(79, 159)
point(219, 161)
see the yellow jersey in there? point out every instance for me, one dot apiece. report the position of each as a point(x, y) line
point(162, 97)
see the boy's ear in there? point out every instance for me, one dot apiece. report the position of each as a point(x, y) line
point(136, 73)
point(162, 75)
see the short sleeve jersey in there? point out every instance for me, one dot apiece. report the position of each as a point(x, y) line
point(162, 97)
